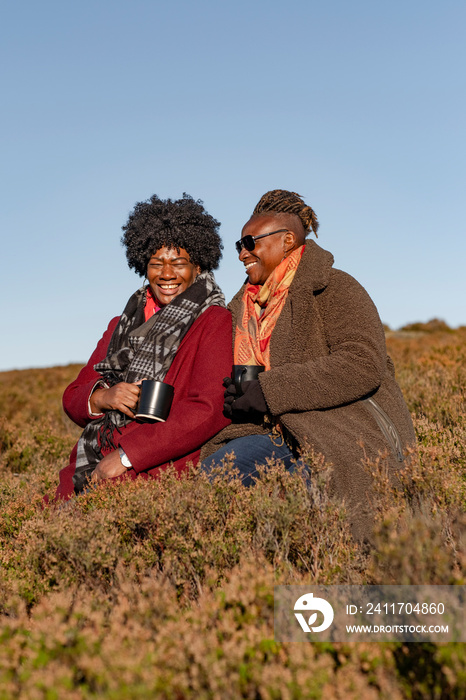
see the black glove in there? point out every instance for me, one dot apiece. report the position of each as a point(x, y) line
point(251, 402)
point(229, 396)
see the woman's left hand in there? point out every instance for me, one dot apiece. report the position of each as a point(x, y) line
point(109, 467)
point(252, 401)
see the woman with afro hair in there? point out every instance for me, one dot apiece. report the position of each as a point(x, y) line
point(175, 329)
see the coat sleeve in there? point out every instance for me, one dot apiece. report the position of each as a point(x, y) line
point(197, 416)
point(76, 395)
point(356, 359)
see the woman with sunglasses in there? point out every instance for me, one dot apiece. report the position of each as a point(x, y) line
point(328, 383)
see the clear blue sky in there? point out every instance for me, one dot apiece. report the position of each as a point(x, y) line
point(358, 106)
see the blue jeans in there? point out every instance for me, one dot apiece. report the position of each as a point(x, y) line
point(249, 452)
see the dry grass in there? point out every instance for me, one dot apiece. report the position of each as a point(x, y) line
point(165, 588)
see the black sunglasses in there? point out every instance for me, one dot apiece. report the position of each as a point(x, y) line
point(249, 242)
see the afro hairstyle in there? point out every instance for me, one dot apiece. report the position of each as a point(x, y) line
point(181, 223)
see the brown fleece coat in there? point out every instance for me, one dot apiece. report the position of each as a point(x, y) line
point(327, 355)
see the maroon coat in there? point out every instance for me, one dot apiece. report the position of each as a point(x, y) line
point(203, 359)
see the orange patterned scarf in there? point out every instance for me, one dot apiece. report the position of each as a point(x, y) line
point(260, 308)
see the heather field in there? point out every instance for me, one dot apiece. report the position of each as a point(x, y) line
point(164, 589)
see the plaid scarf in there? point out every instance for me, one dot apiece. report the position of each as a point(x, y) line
point(137, 350)
point(261, 306)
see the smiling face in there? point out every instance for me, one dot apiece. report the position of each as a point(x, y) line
point(170, 272)
point(268, 252)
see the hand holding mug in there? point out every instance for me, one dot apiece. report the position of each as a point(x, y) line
point(243, 393)
point(245, 373)
point(122, 397)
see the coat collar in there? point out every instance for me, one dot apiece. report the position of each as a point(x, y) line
point(314, 269)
